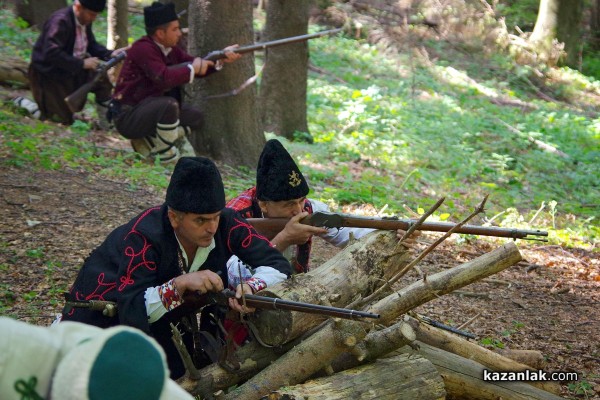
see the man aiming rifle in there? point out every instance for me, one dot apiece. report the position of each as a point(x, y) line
point(147, 105)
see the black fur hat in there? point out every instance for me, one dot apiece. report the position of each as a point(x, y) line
point(196, 186)
point(277, 175)
point(94, 5)
point(159, 14)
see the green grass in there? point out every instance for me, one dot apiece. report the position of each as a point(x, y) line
point(393, 132)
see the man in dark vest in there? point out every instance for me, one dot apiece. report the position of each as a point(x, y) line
point(147, 265)
point(65, 56)
point(147, 105)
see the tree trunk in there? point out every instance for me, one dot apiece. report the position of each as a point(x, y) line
point(14, 69)
point(560, 20)
point(117, 32)
point(231, 131)
point(117, 14)
point(36, 12)
point(398, 377)
point(284, 80)
point(355, 271)
point(463, 378)
point(337, 336)
point(462, 347)
point(595, 25)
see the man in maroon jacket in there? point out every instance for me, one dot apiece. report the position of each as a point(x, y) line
point(65, 56)
point(147, 103)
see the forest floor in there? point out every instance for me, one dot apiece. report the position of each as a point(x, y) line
point(51, 220)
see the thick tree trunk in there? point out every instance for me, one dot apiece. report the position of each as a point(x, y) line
point(560, 20)
point(355, 271)
point(462, 347)
point(463, 378)
point(595, 25)
point(14, 69)
point(335, 337)
point(117, 14)
point(118, 34)
point(36, 12)
point(398, 377)
point(284, 80)
point(231, 131)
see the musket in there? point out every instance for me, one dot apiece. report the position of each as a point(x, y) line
point(196, 300)
point(220, 54)
point(270, 227)
point(76, 100)
point(108, 308)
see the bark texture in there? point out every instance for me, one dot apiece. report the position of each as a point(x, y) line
point(284, 81)
point(355, 271)
point(231, 132)
point(463, 378)
point(335, 337)
point(398, 377)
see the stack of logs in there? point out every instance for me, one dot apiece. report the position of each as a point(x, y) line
point(307, 356)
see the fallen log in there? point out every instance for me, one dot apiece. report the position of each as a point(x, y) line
point(336, 337)
point(463, 378)
point(533, 358)
point(14, 69)
point(377, 343)
point(399, 377)
point(355, 271)
point(359, 267)
point(454, 344)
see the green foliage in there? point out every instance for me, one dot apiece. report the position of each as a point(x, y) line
point(395, 133)
point(521, 13)
point(491, 342)
point(581, 388)
point(437, 134)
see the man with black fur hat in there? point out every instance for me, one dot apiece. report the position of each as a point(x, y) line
point(147, 265)
point(147, 103)
point(280, 192)
point(65, 57)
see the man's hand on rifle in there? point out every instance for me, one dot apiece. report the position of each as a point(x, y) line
point(231, 56)
point(237, 303)
point(91, 63)
point(296, 232)
point(116, 52)
point(199, 281)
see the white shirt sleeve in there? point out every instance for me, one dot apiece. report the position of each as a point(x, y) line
point(154, 306)
point(269, 275)
point(192, 73)
point(338, 237)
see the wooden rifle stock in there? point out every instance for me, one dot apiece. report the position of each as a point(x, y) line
point(270, 227)
point(76, 100)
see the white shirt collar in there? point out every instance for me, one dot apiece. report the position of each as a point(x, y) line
point(199, 258)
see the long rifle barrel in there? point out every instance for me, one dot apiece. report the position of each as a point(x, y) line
point(271, 226)
point(273, 303)
point(219, 54)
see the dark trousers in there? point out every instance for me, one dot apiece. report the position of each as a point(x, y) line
point(139, 121)
point(49, 93)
